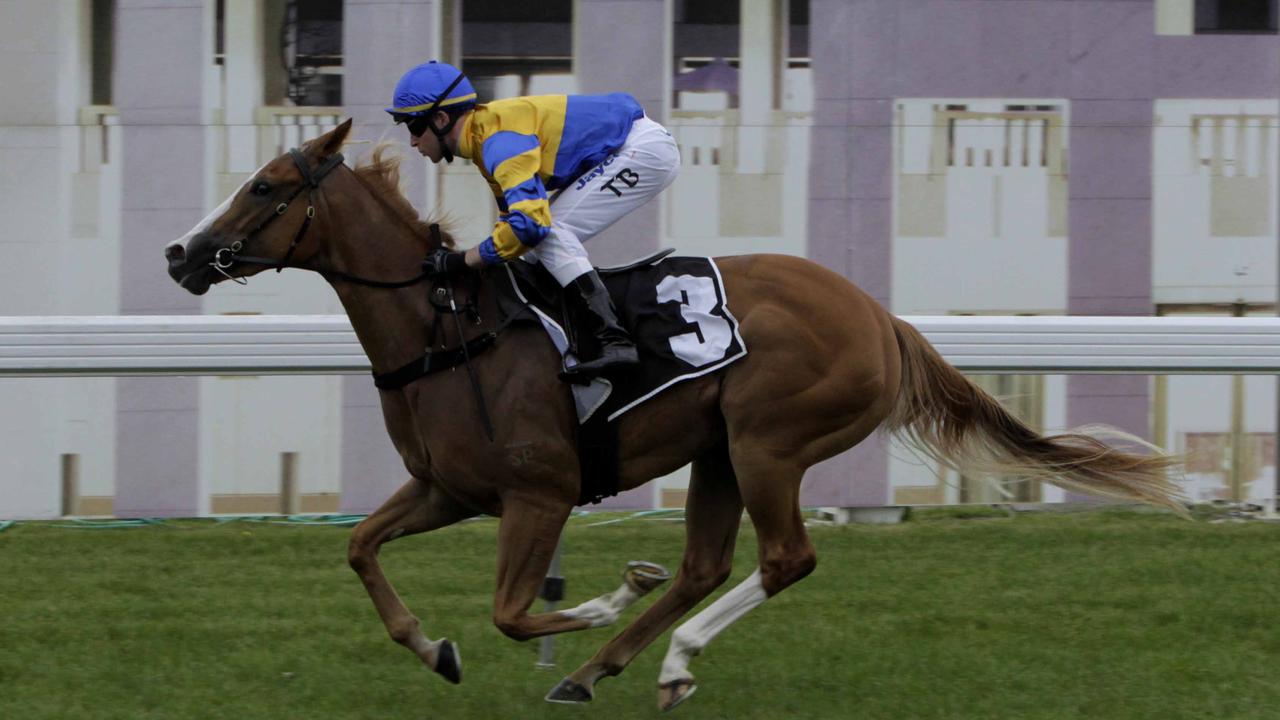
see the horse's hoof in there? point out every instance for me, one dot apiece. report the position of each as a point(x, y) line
point(675, 692)
point(449, 661)
point(569, 692)
point(643, 577)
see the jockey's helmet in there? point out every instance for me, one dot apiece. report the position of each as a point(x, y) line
point(429, 87)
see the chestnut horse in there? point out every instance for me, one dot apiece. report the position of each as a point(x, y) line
point(826, 366)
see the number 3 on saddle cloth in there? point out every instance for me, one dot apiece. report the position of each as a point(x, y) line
point(676, 311)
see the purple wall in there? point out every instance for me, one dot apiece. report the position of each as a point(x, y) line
point(1102, 56)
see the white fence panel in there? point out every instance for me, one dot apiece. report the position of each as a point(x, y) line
point(326, 344)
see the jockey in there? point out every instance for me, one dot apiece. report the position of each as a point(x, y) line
point(598, 154)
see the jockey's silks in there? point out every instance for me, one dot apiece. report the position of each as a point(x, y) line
point(526, 146)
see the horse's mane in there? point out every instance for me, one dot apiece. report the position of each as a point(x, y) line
point(380, 173)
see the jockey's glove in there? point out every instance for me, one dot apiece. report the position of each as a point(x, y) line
point(444, 263)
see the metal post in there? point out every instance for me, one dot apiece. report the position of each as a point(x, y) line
point(1236, 482)
point(70, 484)
point(289, 504)
point(552, 592)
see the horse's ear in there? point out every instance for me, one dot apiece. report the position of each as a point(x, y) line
point(331, 142)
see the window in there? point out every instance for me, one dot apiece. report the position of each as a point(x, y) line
point(517, 48)
point(504, 11)
point(104, 12)
point(312, 51)
point(709, 12)
point(1235, 16)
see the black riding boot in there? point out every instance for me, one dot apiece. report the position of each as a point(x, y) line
point(616, 347)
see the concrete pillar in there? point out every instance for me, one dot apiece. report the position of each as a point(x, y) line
point(626, 46)
point(380, 41)
point(164, 53)
point(245, 77)
point(850, 204)
point(763, 42)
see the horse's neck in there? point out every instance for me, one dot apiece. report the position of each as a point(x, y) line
point(390, 324)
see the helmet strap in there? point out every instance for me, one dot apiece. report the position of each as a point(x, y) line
point(440, 133)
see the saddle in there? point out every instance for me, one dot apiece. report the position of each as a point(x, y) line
point(534, 285)
point(674, 307)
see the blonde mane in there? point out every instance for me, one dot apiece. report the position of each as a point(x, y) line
point(380, 172)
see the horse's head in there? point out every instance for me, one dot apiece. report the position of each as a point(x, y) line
point(266, 218)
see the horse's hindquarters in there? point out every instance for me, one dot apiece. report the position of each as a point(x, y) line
point(822, 366)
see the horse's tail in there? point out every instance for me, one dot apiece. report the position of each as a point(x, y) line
point(950, 419)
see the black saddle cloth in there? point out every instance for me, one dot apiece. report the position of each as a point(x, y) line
point(675, 310)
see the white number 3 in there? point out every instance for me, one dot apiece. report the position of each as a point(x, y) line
point(697, 296)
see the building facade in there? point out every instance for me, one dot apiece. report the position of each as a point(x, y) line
point(1111, 157)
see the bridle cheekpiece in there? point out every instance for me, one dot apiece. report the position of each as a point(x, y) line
point(226, 257)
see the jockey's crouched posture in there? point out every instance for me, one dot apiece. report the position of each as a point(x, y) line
point(600, 152)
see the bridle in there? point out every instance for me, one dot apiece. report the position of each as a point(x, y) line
point(432, 361)
point(227, 257)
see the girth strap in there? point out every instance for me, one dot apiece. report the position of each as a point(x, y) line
point(435, 361)
point(432, 362)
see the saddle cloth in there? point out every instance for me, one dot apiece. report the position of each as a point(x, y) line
point(676, 311)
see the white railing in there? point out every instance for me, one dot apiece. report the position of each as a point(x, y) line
point(1235, 145)
point(1002, 139)
point(326, 344)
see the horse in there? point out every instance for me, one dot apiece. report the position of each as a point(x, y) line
point(826, 366)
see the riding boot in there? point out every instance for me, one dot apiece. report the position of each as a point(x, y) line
point(616, 347)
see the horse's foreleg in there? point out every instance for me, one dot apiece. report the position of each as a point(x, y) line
point(713, 512)
point(418, 506)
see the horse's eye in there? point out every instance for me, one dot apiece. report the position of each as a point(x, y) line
point(260, 188)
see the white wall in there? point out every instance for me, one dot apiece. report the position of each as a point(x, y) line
point(1192, 263)
point(996, 251)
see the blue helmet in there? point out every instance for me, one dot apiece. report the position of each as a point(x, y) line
point(431, 86)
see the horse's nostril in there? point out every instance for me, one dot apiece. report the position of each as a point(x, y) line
point(174, 252)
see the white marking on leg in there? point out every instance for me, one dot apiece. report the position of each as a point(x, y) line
point(605, 609)
point(690, 638)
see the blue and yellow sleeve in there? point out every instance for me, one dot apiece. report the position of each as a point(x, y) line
point(513, 160)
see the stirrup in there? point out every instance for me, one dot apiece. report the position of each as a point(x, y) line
point(584, 372)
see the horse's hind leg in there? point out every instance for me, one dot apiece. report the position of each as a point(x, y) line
point(712, 515)
point(417, 507)
point(770, 491)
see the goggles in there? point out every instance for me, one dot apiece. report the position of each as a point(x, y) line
point(419, 124)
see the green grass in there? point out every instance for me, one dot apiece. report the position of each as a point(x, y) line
point(1100, 615)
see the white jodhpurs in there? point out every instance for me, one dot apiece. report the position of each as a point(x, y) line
point(645, 164)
